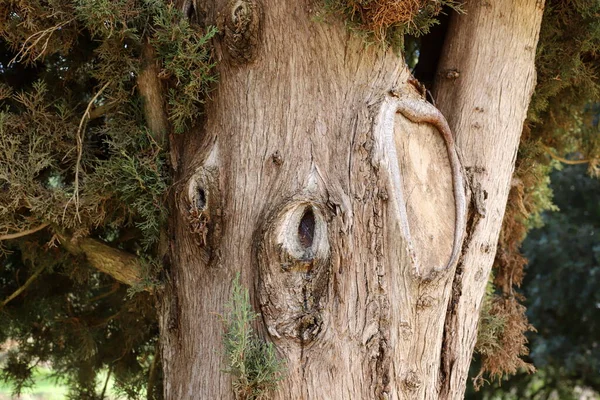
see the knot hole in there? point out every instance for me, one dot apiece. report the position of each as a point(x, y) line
point(306, 228)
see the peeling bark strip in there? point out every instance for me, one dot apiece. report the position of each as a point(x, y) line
point(417, 110)
point(312, 156)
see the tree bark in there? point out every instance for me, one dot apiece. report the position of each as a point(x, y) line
point(338, 213)
point(492, 48)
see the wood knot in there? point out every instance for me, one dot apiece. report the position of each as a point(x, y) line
point(412, 382)
point(242, 25)
point(425, 302)
point(202, 202)
point(293, 259)
point(198, 213)
point(451, 74)
point(276, 158)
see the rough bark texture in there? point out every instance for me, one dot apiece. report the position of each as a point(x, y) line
point(492, 48)
point(291, 181)
point(124, 267)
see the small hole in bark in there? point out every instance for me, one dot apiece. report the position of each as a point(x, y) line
point(190, 11)
point(201, 199)
point(306, 228)
point(276, 157)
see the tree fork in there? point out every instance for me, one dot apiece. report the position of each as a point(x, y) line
point(286, 182)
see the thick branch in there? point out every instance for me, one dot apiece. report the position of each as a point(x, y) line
point(22, 288)
point(486, 106)
point(150, 88)
point(122, 266)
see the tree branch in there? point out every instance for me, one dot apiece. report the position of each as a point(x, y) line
point(101, 110)
point(106, 383)
point(32, 41)
point(26, 232)
point(562, 159)
point(151, 90)
point(80, 131)
point(22, 288)
point(122, 266)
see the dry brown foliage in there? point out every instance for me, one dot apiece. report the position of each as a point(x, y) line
point(413, 17)
point(379, 14)
point(501, 340)
point(503, 343)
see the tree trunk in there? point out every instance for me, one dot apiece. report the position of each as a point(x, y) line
point(339, 214)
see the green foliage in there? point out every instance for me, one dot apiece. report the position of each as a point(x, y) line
point(134, 173)
point(563, 297)
point(491, 326)
point(120, 177)
point(561, 127)
point(387, 21)
point(45, 385)
point(125, 186)
point(251, 361)
point(76, 153)
point(77, 320)
point(561, 113)
point(186, 59)
point(563, 282)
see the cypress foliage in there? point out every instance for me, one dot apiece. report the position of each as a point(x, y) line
point(562, 127)
point(78, 161)
point(388, 21)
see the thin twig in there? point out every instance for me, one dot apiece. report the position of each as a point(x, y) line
point(22, 288)
point(26, 49)
point(106, 383)
point(152, 373)
point(115, 287)
point(79, 138)
point(564, 160)
point(26, 232)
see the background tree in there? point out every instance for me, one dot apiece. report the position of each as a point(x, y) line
point(561, 286)
point(114, 163)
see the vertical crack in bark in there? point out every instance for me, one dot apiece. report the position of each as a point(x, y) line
point(382, 365)
point(373, 152)
point(449, 341)
point(383, 360)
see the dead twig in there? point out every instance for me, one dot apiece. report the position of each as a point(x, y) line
point(79, 137)
point(22, 288)
point(32, 41)
point(562, 159)
point(26, 232)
